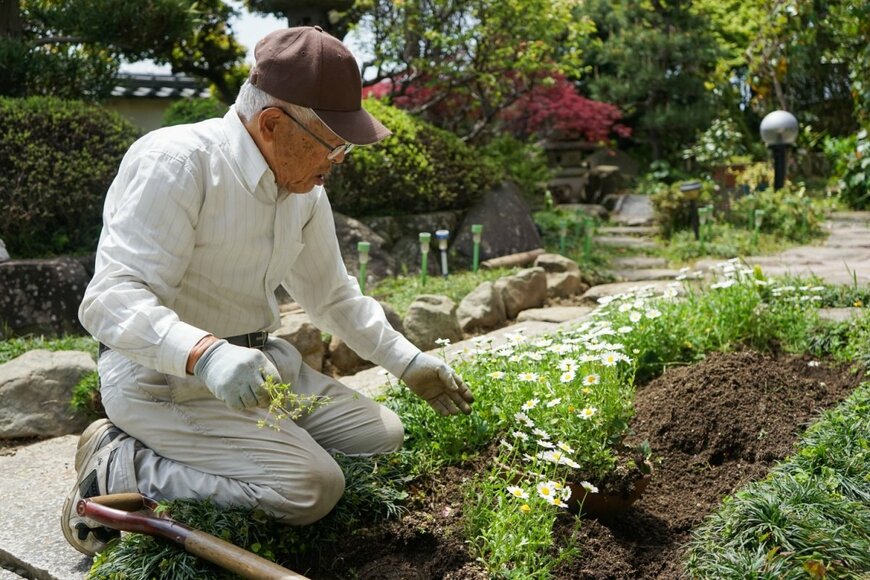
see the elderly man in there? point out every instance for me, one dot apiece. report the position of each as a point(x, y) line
point(201, 225)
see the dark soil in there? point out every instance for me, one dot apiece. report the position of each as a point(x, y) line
point(713, 427)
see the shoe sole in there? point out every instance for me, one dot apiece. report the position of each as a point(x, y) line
point(88, 440)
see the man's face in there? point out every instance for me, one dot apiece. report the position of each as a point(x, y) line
point(298, 151)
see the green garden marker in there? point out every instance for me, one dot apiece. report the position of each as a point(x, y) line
point(709, 222)
point(363, 249)
point(588, 226)
point(476, 234)
point(424, 256)
point(578, 222)
point(758, 218)
point(563, 233)
point(548, 200)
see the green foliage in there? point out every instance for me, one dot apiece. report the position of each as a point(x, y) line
point(673, 211)
point(850, 157)
point(721, 143)
point(420, 168)
point(652, 59)
point(808, 519)
point(86, 397)
point(722, 240)
point(462, 62)
point(15, 347)
point(193, 110)
point(73, 49)
point(59, 158)
point(524, 163)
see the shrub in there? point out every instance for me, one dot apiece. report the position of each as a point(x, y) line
point(851, 161)
point(419, 169)
point(524, 163)
point(193, 110)
point(672, 210)
point(59, 158)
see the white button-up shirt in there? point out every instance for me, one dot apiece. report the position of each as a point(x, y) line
point(196, 238)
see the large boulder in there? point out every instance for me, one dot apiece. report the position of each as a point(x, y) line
point(297, 329)
point(508, 227)
point(36, 389)
point(563, 275)
point(482, 309)
point(523, 290)
point(431, 317)
point(41, 297)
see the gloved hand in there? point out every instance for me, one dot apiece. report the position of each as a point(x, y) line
point(235, 374)
point(438, 384)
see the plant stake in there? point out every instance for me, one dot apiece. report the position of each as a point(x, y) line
point(424, 256)
point(443, 236)
point(476, 234)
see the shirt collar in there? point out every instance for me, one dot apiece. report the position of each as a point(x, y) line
point(251, 163)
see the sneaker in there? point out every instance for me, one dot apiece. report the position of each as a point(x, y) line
point(97, 445)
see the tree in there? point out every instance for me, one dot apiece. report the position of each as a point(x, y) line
point(73, 49)
point(333, 16)
point(460, 63)
point(653, 58)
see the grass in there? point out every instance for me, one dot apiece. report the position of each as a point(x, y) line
point(15, 347)
point(810, 518)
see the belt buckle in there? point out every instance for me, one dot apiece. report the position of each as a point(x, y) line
point(257, 339)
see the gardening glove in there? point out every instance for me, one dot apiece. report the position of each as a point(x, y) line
point(437, 384)
point(235, 374)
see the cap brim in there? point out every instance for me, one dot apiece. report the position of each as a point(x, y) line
point(357, 127)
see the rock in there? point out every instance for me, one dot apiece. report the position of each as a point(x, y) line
point(508, 227)
point(349, 232)
point(297, 329)
point(552, 263)
point(564, 284)
point(554, 313)
point(41, 297)
point(429, 318)
point(525, 289)
point(4, 255)
point(482, 309)
point(36, 389)
point(343, 358)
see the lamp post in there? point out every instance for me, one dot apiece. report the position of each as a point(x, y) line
point(779, 130)
point(691, 190)
point(443, 236)
point(424, 256)
point(363, 249)
point(476, 234)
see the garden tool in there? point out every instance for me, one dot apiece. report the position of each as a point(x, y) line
point(132, 512)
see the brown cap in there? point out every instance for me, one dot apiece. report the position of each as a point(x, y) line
point(308, 67)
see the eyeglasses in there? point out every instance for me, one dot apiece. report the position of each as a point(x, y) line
point(336, 154)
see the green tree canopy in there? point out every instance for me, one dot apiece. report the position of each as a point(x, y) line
point(72, 49)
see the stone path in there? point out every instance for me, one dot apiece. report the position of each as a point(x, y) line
point(36, 478)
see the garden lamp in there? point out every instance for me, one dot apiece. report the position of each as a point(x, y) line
point(443, 236)
point(363, 249)
point(691, 190)
point(476, 234)
point(424, 256)
point(779, 130)
point(563, 233)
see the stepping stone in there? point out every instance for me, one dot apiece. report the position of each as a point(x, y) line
point(34, 485)
point(625, 242)
point(850, 216)
point(554, 313)
point(638, 262)
point(627, 231)
point(633, 210)
point(840, 314)
point(632, 275)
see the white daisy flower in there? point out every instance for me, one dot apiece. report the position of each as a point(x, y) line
point(553, 403)
point(520, 435)
point(517, 492)
point(653, 313)
point(528, 377)
point(530, 404)
point(591, 379)
point(442, 341)
point(564, 447)
point(589, 487)
point(496, 375)
point(588, 412)
point(546, 489)
point(541, 433)
point(635, 317)
point(567, 377)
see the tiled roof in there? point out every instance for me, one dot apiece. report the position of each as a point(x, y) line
point(132, 86)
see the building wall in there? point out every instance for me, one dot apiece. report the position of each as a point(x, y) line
point(145, 113)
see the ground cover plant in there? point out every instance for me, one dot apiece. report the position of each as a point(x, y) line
point(491, 494)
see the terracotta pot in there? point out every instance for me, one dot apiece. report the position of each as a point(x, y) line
point(603, 505)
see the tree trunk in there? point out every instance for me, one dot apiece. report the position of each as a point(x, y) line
point(10, 19)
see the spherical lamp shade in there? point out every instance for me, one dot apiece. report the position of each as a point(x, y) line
point(779, 128)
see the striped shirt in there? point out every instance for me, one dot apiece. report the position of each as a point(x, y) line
point(196, 239)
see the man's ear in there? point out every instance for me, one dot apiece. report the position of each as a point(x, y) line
point(267, 124)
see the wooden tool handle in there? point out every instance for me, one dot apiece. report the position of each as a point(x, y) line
point(235, 559)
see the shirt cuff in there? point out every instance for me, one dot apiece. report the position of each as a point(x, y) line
point(400, 353)
point(176, 347)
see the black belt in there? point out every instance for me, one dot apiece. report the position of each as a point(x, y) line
point(250, 340)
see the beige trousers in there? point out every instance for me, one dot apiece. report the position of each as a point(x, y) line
point(192, 445)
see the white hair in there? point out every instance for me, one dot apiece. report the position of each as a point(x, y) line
point(252, 100)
